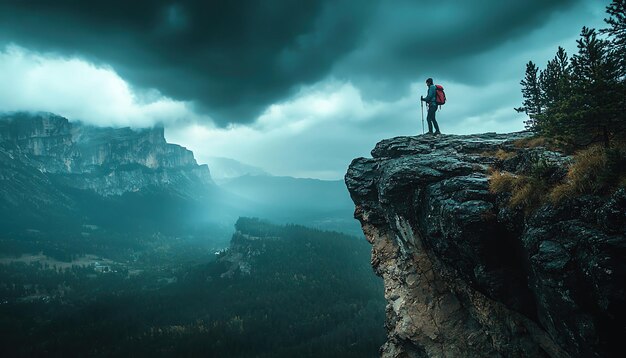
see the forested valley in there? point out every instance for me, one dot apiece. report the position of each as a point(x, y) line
point(276, 291)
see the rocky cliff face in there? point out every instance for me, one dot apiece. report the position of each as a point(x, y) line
point(109, 161)
point(467, 276)
point(58, 176)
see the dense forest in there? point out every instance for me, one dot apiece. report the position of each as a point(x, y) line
point(277, 291)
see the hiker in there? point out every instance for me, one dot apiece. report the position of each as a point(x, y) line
point(431, 101)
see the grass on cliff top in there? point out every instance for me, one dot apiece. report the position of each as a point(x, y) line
point(531, 142)
point(527, 192)
point(595, 170)
point(500, 154)
point(539, 141)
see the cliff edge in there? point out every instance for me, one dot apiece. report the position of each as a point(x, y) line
point(466, 274)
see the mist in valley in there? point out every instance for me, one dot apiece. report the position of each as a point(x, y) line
point(115, 242)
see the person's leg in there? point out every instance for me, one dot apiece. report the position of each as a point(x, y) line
point(431, 117)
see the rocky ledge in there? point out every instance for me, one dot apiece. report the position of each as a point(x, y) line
point(467, 276)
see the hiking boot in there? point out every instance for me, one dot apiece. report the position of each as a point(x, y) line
point(437, 133)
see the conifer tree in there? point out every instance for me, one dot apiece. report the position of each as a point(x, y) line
point(596, 85)
point(617, 46)
point(582, 100)
point(531, 92)
point(617, 31)
point(556, 94)
point(555, 79)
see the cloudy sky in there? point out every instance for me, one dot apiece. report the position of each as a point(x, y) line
point(297, 88)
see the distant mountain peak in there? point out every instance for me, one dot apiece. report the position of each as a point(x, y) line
point(109, 161)
point(225, 169)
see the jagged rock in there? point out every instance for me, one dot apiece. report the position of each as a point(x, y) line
point(467, 276)
point(109, 161)
point(240, 255)
point(56, 175)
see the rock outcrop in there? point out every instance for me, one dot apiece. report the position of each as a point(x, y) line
point(109, 161)
point(467, 276)
point(56, 174)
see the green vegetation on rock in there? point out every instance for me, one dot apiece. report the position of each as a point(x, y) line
point(581, 100)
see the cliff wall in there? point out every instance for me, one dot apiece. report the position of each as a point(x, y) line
point(466, 275)
point(109, 161)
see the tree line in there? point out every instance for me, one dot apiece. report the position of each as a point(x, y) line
point(580, 100)
point(307, 293)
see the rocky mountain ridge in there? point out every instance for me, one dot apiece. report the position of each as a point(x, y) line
point(56, 175)
point(109, 161)
point(54, 171)
point(466, 275)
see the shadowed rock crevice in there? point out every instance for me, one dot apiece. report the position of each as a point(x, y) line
point(465, 274)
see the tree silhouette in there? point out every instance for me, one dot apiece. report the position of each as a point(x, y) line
point(617, 31)
point(582, 100)
point(531, 92)
point(596, 84)
point(555, 80)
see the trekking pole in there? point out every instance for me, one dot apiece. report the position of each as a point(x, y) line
point(422, 104)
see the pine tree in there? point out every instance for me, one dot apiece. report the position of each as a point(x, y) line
point(582, 100)
point(617, 31)
point(531, 92)
point(555, 82)
point(555, 79)
point(596, 84)
point(617, 50)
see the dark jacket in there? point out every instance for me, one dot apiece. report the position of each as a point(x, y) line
point(431, 97)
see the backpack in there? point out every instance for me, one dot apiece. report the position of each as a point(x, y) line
point(440, 96)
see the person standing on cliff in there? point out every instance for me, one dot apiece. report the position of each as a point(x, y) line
point(431, 101)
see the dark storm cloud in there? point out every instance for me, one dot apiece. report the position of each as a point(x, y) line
point(231, 57)
point(409, 40)
point(234, 58)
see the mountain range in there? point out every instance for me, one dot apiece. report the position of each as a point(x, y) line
point(62, 176)
point(225, 169)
